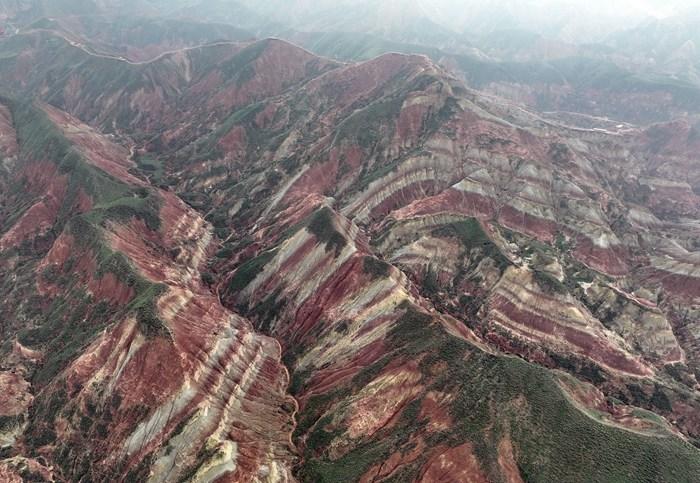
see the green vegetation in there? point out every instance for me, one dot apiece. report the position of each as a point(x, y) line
point(71, 322)
point(42, 413)
point(142, 204)
point(476, 247)
point(40, 140)
point(367, 127)
point(268, 310)
point(560, 153)
point(247, 272)
point(548, 282)
point(348, 468)
point(205, 454)
point(437, 121)
point(207, 147)
point(239, 67)
point(496, 396)
point(320, 438)
point(583, 367)
point(561, 243)
point(152, 167)
point(290, 164)
point(651, 396)
point(431, 283)
point(368, 176)
point(322, 225)
point(541, 255)
point(143, 305)
point(472, 236)
point(375, 267)
point(75, 317)
point(9, 422)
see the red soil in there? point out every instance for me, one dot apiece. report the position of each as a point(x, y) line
point(277, 67)
point(580, 341)
point(234, 143)
point(409, 125)
point(39, 179)
point(15, 397)
point(539, 228)
point(95, 148)
point(455, 464)
point(361, 80)
point(609, 260)
point(506, 460)
point(449, 201)
point(679, 285)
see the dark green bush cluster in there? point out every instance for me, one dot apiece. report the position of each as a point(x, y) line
point(548, 282)
point(472, 236)
point(375, 267)
point(247, 272)
point(322, 225)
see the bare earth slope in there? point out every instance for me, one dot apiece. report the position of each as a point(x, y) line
point(376, 274)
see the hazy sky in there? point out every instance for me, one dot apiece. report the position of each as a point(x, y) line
point(657, 8)
point(570, 20)
point(574, 21)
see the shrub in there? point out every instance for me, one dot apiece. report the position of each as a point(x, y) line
point(322, 226)
point(375, 267)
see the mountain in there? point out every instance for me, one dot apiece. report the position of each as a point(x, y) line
point(240, 261)
point(561, 20)
point(544, 55)
point(394, 20)
point(580, 83)
point(138, 39)
point(545, 62)
point(668, 46)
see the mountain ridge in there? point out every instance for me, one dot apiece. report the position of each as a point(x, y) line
point(276, 266)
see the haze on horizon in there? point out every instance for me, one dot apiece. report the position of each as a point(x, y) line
point(619, 8)
point(574, 21)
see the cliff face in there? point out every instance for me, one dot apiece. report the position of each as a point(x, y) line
point(247, 263)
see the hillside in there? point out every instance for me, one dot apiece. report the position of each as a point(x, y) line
point(245, 262)
point(626, 68)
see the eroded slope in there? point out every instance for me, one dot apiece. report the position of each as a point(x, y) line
point(135, 369)
point(402, 237)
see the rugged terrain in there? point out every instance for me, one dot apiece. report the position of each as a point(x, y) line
point(245, 262)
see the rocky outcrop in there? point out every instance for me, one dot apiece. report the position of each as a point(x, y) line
point(8, 137)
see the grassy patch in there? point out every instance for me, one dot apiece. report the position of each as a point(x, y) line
point(348, 468)
point(208, 148)
point(472, 236)
point(368, 126)
point(151, 167)
point(75, 317)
